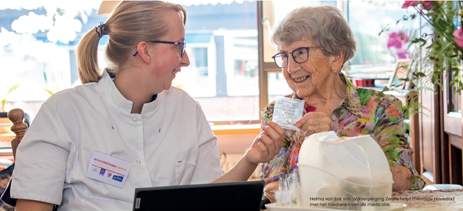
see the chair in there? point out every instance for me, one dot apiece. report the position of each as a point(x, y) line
point(20, 122)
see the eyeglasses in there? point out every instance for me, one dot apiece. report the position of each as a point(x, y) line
point(300, 55)
point(179, 45)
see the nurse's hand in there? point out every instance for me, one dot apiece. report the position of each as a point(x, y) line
point(267, 144)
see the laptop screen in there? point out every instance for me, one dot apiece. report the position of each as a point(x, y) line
point(237, 196)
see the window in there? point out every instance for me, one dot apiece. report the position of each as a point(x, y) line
point(38, 42)
point(373, 59)
point(225, 45)
point(37, 49)
point(223, 75)
point(199, 58)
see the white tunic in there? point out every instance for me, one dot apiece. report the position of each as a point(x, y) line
point(169, 143)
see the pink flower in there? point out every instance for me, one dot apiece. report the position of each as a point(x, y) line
point(403, 37)
point(392, 40)
point(394, 43)
point(410, 3)
point(458, 37)
point(427, 5)
point(398, 41)
point(402, 54)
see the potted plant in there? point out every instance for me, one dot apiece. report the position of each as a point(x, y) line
point(443, 46)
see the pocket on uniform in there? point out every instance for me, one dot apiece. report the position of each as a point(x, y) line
point(184, 171)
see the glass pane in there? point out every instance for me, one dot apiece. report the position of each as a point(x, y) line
point(373, 48)
point(277, 86)
point(383, 44)
point(222, 45)
point(37, 48)
point(221, 42)
point(456, 101)
point(454, 97)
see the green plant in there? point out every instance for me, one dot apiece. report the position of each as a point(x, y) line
point(442, 46)
point(3, 100)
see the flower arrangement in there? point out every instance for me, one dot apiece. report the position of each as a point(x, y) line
point(444, 45)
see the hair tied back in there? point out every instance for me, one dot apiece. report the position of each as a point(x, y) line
point(101, 30)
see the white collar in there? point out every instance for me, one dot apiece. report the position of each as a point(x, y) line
point(114, 97)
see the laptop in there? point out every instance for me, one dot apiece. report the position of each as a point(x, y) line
point(236, 196)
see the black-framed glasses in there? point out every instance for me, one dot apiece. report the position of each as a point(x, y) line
point(179, 45)
point(300, 55)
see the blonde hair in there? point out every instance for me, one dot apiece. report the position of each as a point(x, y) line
point(129, 23)
point(324, 25)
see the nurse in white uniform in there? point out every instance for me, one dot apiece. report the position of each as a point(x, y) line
point(89, 147)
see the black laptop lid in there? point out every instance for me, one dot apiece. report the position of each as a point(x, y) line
point(236, 196)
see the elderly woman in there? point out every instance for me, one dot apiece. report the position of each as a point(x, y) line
point(313, 45)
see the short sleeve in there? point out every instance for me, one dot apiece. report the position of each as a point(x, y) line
point(208, 163)
point(41, 159)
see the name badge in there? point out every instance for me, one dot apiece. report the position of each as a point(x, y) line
point(107, 169)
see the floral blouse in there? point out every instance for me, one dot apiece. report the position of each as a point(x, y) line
point(364, 111)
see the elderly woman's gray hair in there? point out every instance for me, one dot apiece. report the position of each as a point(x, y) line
point(324, 25)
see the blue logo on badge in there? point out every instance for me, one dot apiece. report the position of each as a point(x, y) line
point(118, 178)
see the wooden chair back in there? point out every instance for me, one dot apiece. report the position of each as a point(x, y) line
point(19, 127)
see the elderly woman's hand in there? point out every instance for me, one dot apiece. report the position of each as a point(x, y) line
point(314, 122)
point(270, 189)
point(266, 145)
point(401, 176)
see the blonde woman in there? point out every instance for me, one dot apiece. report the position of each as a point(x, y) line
point(89, 147)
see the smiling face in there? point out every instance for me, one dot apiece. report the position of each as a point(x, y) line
point(166, 60)
point(315, 76)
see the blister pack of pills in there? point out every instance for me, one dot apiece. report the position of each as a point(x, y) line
point(287, 111)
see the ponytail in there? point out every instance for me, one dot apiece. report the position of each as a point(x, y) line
point(87, 57)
